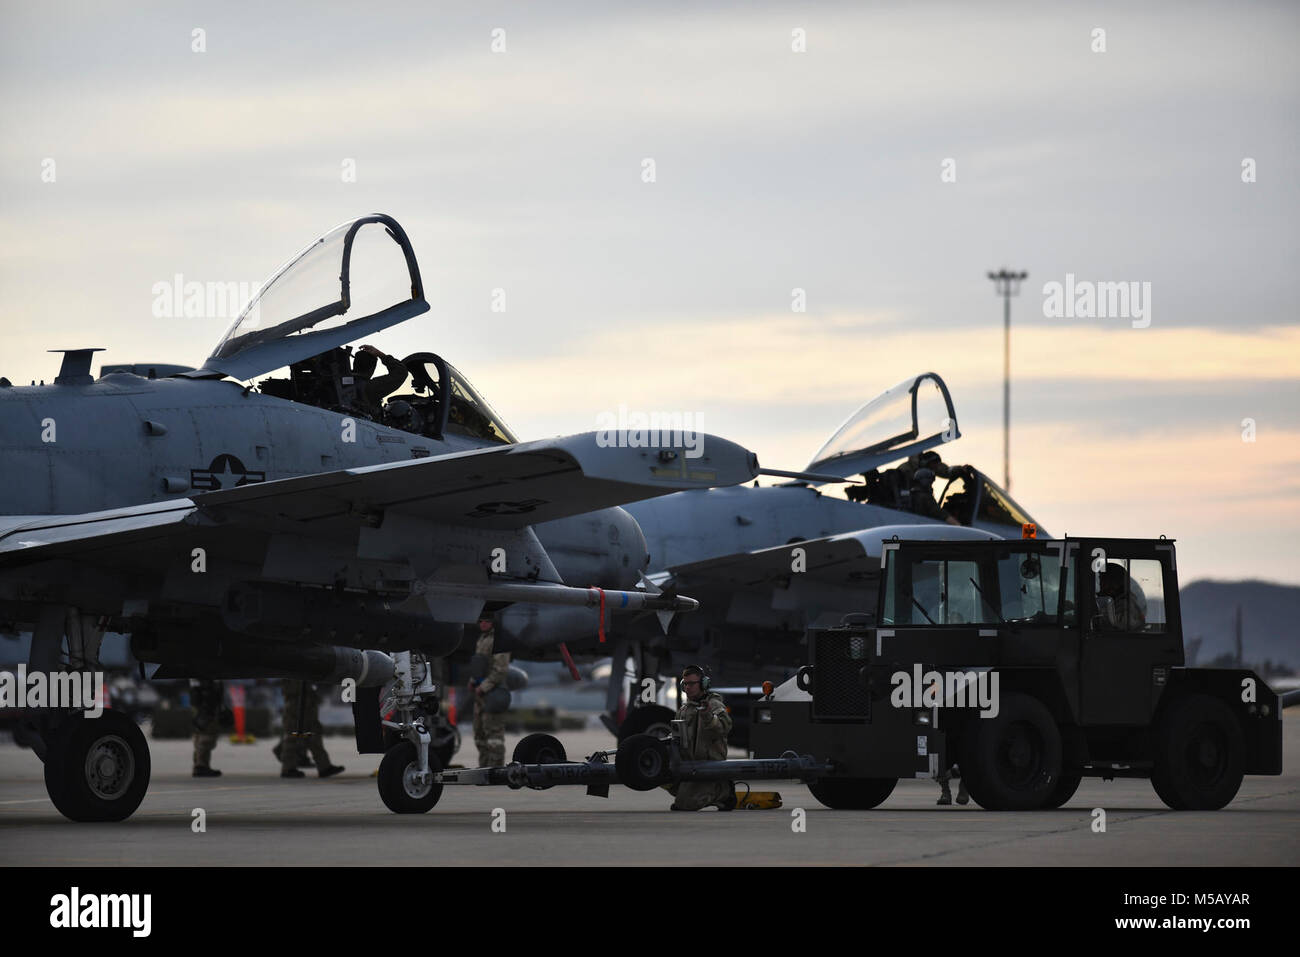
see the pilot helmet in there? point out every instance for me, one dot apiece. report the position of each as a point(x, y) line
point(400, 411)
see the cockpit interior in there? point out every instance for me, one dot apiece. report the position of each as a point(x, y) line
point(422, 394)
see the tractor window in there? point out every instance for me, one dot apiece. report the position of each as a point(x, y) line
point(1129, 595)
point(937, 592)
point(1029, 587)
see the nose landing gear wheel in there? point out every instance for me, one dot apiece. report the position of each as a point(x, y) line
point(97, 769)
point(399, 787)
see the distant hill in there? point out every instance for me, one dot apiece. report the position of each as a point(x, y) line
point(1270, 620)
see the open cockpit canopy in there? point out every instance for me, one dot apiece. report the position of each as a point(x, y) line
point(357, 279)
point(913, 416)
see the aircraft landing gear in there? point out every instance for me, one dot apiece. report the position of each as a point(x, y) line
point(97, 769)
point(402, 786)
point(406, 774)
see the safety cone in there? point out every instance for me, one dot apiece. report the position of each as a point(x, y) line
point(241, 735)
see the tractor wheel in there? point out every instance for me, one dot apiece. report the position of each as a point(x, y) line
point(1013, 761)
point(1200, 755)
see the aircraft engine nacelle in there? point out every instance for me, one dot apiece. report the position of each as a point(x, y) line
point(188, 656)
point(604, 548)
point(292, 614)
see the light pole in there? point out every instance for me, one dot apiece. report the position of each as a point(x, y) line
point(1007, 284)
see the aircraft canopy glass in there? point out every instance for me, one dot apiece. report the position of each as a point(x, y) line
point(468, 413)
point(915, 415)
point(358, 278)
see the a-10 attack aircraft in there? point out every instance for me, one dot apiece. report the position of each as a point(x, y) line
point(302, 529)
point(768, 563)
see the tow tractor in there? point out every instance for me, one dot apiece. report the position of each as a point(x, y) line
point(1030, 664)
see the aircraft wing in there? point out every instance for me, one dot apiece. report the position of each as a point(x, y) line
point(500, 488)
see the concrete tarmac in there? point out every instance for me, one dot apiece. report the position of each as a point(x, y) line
point(254, 817)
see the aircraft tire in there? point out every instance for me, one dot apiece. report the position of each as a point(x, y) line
point(852, 794)
point(647, 719)
point(97, 769)
point(1014, 760)
point(643, 763)
point(540, 749)
point(400, 793)
point(1200, 755)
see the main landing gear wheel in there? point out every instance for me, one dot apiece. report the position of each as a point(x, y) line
point(97, 769)
point(643, 762)
point(1199, 760)
point(401, 791)
point(540, 749)
point(652, 719)
point(852, 794)
point(1013, 762)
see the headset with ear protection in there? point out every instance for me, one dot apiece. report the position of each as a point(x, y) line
point(706, 681)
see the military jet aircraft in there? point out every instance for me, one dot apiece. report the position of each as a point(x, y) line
point(302, 528)
point(768, 563)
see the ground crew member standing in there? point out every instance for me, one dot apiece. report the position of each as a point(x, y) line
point(301, 695)
point(489, 729)
point(208, 698)
point(707, 725)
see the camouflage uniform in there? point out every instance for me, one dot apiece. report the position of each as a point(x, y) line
point(293, 746)
point(706, 728)
point(207, 697)
point(490, 729)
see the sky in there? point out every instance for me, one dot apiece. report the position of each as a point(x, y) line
point(880, 158)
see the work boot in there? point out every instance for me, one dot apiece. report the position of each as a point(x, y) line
point(330, 770)
point(962, 796)
point(945, 797)
point(728, 803)
point(203, 771)
point(303, 762)
point(291, 773)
